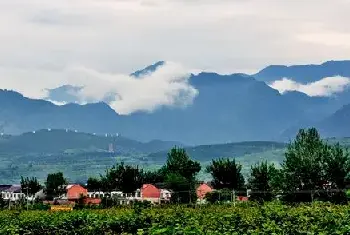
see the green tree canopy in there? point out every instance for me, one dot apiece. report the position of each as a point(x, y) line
point(153, 177)
point(262, 181)
point(94, 184)
point(180, 175)
point(54, 184)
point(122, 177)
point(30, 185)
point(226, 174)
point(179, 162)
point(313, 166)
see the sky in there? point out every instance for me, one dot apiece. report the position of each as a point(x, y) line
point(48, 43)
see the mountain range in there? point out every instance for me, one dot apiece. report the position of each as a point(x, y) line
point(228, 108)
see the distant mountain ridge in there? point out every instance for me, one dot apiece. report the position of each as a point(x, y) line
point(304, 73)
point(228, 108)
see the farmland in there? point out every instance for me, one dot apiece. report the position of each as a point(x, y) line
point(270, 218)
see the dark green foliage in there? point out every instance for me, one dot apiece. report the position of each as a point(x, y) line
point(153, 177)
point(180, 175)
point(312, 167)
point(122, 177)
point(180, 163)
point(55, 184)
point(223, 195)
point(263, 181)
point(94, 184)
point(337, 166)
point(226, 174)
point(30, 185)
point(183, 189)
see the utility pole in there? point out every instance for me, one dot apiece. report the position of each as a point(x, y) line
point(27, 197)
point(234, 197)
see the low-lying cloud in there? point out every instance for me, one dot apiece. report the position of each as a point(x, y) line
point(325, 87)
point(167, 86)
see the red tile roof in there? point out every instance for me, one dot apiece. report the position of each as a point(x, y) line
point(202, 190)
point(150, 191)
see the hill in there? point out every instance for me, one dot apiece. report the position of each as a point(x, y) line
point(63, 141)
point(79, 164)
point(78, 155)
point(204, 153)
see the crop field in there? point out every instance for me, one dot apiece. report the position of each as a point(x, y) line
point(271, 218)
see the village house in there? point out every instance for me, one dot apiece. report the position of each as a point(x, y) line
point(11, 192)
point(201, 191)
point(153, 194)
point(75, 192)
point(148, 192)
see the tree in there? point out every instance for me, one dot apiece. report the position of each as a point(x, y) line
point(180, 175)
point(122, 177)
point(30, 185)
point(312, 167)
point(94, 184)
point(183, 190)
point(222, 195)
point(262, 181)
point(153, 177)
point(55, 184)
point(180, 163)
point(226, 174)
point(337, 168)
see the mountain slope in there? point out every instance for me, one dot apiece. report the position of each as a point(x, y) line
point(19, 114)
point(229, 108)
point(338, 124)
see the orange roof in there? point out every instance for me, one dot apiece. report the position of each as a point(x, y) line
point(150, 191)
point(202, 190)
point(75, 191)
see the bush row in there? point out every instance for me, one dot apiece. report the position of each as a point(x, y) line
point(271, 218)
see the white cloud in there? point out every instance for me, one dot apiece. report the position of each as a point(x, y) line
point(324, 87)
point(167, 86)
point(101, 39)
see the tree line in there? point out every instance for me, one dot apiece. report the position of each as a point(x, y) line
point(312, 170)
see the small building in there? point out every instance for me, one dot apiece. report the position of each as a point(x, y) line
point(165, 195)
point(150, 193)
point(74, 192)
point(202, 191)
point(12, 192)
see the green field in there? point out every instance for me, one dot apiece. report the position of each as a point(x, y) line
point(271, 218)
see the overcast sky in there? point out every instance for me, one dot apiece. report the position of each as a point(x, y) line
point(42, 39)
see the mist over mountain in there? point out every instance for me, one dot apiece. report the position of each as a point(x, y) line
point(227, 108)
